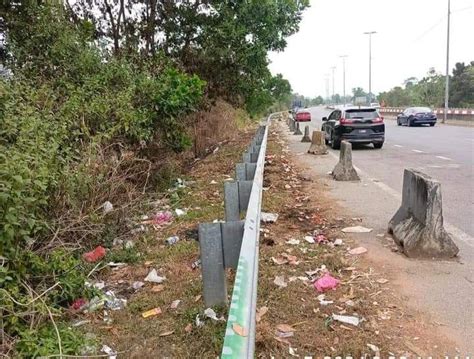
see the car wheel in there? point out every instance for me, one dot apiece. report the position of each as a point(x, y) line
point(432, 124)
point(409, 123)
point(378, 145)
point(398, 122)
point(335, 143)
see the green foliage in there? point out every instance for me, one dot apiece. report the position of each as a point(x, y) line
point(429, 91)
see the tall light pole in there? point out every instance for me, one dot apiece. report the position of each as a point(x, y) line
point(333, 69)
point(370, 33)
point(343, 57)
point(446, 90)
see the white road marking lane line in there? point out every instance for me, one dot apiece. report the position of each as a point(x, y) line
point(399, 146)
point(455, 231)
point(444, 158)
point(417, 151)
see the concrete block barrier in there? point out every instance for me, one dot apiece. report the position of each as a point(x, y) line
point(306, 135)
point(297, 130)
point(417, 227)
point(344, 171)
point(292, 125)
point(318, 145)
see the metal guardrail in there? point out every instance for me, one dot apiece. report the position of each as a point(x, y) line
point(234, 244)
point(244, 297)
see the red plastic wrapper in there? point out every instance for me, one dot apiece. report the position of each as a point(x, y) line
point(95, 255)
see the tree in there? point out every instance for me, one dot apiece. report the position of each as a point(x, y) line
point(462, 85)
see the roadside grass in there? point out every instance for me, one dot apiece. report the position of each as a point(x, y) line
point(174, 332)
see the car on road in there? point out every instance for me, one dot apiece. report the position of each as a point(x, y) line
point(354, 124)
point(303, 116)
point(413, 116)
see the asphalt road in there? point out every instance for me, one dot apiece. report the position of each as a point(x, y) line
point(443, 289)
point(444, 152)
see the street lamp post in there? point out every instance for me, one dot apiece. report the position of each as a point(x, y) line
point(446, 90)
point(370, 33)
point(333, 93)
point(343, 57)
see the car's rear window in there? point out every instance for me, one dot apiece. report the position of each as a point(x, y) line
point(366, 114)
point(422, 109)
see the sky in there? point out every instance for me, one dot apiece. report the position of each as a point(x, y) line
point(410, 39)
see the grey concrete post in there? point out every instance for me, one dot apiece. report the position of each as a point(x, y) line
point(418, 226)
point(241, 171)
point(250, 171)
point(306, 135)
point(212, 264)
point(344, 171)
point(318, 144)
point(292, 126)
point(298, 131)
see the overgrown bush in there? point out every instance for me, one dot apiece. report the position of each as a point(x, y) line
point(64, 110)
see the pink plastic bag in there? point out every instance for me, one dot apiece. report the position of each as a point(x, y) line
point(326, 282)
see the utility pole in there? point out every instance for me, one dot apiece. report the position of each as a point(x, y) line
point(333, 69)
point(326, 79)
point(446, 90)
point(343, 57)
point(370, 33)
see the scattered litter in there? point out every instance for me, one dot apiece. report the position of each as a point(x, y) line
point(382, 281)
point(374, 348)
point(188, 328)
point(239, 330)
point(95, 255)
point(279, 261)
point(179, 212)
point(346, 319)
point(287, 186)
point(109, 351)
point(108, 207)
point(129, 244)
point(80, 323)
point(199, 323)
point(356, 229)
point(309, 239)
point(268, 217)
point(326, 282)
point(151, 312)
point(154, 277)
point(292, 352)
point(137, 285)
point(284, 331)
point(78, 304)
point(196, 264)
point(213, 182)
point(280, 281)
point(321, 238)
point(322, 300)
point(94, 304)
point(380, 235)
point(350, 303)
point(210, 313)
point(172, 240)
point(160, 218)
point(358, 250)
point(260, 313)
point(114, 265)
point(157, 288)
point(99, 285)
point(338, 242)
point(114, 303)
point(197, 298)
point(165, 334)
point(293, 241)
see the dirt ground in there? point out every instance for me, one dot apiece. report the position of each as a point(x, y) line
point(386, 325)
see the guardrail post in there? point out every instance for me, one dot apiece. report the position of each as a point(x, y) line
point(240, 171)
point(245, 187)
point(232, 233)
point(212, 264)
point(231, 201)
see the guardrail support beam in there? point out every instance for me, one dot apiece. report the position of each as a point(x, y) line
point(232, 233)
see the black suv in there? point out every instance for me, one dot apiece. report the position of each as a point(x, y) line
point(354, 124)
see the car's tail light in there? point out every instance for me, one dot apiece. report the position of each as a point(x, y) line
point(378, 120)
point(345, 121)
